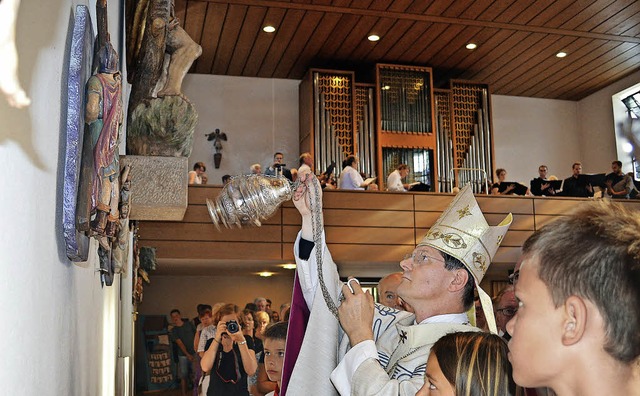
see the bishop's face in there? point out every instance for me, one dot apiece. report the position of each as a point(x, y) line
point(424, 277)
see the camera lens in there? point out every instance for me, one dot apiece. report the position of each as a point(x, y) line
point(232, 326)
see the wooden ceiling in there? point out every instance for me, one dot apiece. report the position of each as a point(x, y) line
point(517, 40)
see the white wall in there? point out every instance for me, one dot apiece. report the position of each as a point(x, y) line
point(185, 292)
point(529, 132)
point(56, 314)
point(259, 116)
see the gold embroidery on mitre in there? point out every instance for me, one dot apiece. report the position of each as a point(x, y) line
point(499, 240)
point(464, 212)
point(479, 262)
point(452, 240)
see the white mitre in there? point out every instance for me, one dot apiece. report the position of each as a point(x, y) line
point(461, 231)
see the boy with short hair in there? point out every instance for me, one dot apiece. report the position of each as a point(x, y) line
point(275, 337)
point(576, 329)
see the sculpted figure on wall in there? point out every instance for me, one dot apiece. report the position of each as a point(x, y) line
point(161, 120)
point(99, 187)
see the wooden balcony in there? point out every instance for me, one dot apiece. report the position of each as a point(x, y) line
point(367, 232)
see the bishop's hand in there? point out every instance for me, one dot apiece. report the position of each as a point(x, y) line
point(307, 198)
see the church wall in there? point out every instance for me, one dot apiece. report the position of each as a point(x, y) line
point(60, 326)
point(529, 132)
point(259, 116)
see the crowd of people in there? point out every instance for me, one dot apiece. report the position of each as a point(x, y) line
point(566, 324)
point(616, 184)
point(228, 351)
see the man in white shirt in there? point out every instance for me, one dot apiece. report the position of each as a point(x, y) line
point(385, 351)
point(394, 180)
point(350, 178)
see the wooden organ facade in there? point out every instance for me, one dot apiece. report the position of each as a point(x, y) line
point(444, 135)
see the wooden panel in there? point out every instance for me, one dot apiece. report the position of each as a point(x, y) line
point(337, 36)
point(432, 202)
point(424, 220)
point(520, 222)
point(410, 38)
point(316, 41)
point(367, 199)
point(520, 205)
point(167, 231)
point(233, 24)
point(432, 33)
point(556, 206)
point(385, 28)
point(356, 218)
point(263, 42)
point(444, 39)
point(358, 34)
point(577, 73)
point(200, 214)
point(391, 38)
point(594, 15)
point(359, 235)
point(556, 71)
point(526, 77)
point(216, 250)
point(382, 253)
point(518, 43)
point(281, 40)
point(303, 36)
point(620, 22)
point(246, 38)
point(542, 220)
point(621, 65)
point(211, 37)
point(198, 194)
point(509, 14)
point(549, 45)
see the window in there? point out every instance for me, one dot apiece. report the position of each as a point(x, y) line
point(632, 102)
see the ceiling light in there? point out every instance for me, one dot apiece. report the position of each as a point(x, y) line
point(265, 274)
point(289, 266)
point(627, 147)
point(561, 54)
point(374, 37)
point(386, 87)
point(269, 29)
point(471, 46)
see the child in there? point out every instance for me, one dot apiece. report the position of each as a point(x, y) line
point(275, 337)
point(465, 363)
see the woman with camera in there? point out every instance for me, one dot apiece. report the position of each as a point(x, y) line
point(230, 357)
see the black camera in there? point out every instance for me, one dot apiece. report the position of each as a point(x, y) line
point(278, 166)
point(232, 326)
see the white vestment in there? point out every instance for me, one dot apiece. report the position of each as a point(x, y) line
point(400, 346)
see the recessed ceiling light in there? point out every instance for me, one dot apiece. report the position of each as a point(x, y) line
point(374, 37)
point(385, 87)
point(561, 54)
point(289, 266)
point(471, 46)
point(265, 274)
point(269, 29)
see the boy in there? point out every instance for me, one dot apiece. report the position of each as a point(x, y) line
point(275, 337)
point(576, 329)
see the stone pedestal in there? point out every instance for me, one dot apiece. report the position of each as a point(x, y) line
point(159, 187)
